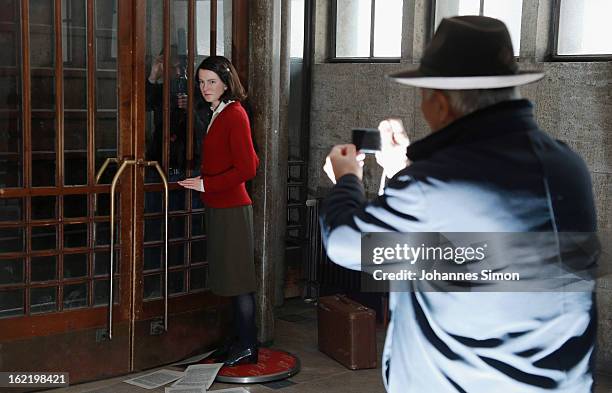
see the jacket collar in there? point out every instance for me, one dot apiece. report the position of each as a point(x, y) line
point(491, 122)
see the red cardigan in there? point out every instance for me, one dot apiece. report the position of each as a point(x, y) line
point(228, 159)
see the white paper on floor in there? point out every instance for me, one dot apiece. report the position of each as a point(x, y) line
point(155, 379)
point(199, 375)
point(185, 390)
point(193, 359)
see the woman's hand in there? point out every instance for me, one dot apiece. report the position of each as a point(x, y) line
point(193, 183)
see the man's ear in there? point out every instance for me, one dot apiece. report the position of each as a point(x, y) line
point(442, 106)
point(445, 111)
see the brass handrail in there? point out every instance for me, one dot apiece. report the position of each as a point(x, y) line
point(124, 165)
point(115, 180)
point(98, 177)
point(166, 193)
point(103, 167)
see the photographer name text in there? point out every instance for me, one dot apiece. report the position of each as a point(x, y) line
point(434, 275)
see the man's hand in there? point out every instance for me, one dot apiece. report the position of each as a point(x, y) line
point(343, 160)
point(394, 141)
point(193, 183)
point(181, 101)
point(157, 69)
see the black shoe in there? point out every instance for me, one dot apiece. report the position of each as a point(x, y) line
point(245, 356)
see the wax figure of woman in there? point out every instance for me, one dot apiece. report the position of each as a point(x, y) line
point(228, 160)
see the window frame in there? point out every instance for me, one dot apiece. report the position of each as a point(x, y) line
point(332, 58)
point(432, 16)
point(554, 42)
point(432, 22)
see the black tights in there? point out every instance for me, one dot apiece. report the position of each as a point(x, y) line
point(244, 319)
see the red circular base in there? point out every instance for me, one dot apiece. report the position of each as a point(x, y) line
point(272, 365)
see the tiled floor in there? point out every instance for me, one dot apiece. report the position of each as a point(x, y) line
point(296, 333)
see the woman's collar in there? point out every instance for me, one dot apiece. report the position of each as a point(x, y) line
point(221, 106)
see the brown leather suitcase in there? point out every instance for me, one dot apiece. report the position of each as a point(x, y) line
point(347, 332)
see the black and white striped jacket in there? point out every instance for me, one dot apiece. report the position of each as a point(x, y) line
point(491, 171)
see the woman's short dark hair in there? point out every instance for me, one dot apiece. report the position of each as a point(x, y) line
point(228, 75)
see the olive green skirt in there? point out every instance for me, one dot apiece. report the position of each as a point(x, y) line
point(229, 250)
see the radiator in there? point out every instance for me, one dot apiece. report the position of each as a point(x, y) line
point(323, 277)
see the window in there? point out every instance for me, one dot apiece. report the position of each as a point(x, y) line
point(583, 28)
point(366, 29)
point(508, 11)
point(210, 40)
point(297, 29)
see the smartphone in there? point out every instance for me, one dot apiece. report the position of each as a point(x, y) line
point(367, 140)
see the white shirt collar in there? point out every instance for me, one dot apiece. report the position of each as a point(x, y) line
point(216, 112)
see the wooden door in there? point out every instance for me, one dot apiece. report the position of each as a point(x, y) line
point(60, 118)
point(179, 34)
point(73, 93)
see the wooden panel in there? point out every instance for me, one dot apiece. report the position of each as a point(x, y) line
point(240, 40)
point(181, 304)
point(75, 352)
point(50, 324)
point(139, 115)
point(188, 334)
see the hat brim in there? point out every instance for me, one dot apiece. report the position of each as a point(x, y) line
point(416, 79)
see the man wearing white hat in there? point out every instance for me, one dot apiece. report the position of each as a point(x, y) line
point(486, 167)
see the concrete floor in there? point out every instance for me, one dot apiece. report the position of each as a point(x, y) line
point(296, 326)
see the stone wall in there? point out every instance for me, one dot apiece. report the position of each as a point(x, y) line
point(573, 103)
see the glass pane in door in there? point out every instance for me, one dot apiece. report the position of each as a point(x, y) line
point(224, 28)
point(42, 93)
point(202, 23)
point(11, 131)
point(74, 55)
point(154, 99)
point(178, 89)
point(106, 140)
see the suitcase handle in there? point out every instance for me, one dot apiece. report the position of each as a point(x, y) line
point(345, 300)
